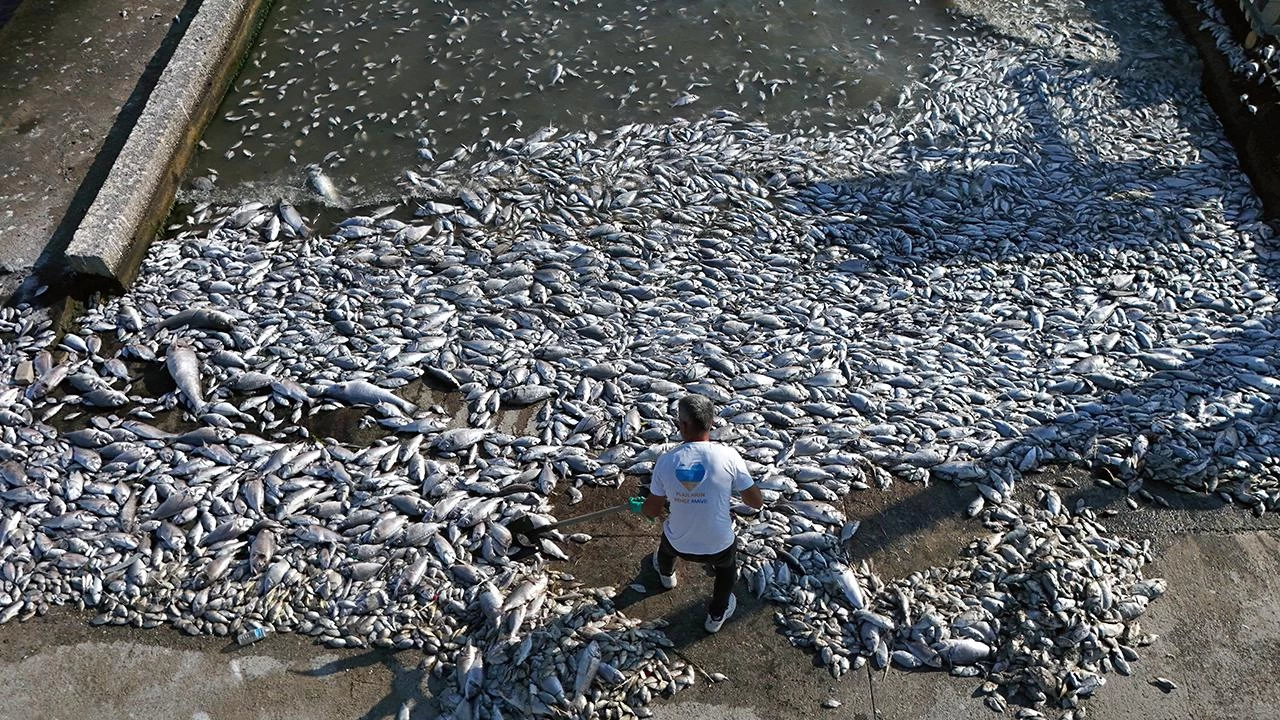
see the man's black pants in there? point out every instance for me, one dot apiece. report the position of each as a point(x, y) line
point(725, 564)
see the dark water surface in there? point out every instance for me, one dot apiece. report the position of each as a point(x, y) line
point(369, 88)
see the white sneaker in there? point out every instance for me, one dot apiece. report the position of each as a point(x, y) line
point(713, 625)
point(668, 581)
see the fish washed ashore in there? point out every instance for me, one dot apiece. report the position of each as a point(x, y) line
point(1044, 255)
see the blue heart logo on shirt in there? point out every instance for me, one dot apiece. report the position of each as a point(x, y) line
point(690, 477)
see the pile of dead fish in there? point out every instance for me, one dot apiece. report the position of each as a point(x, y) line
point(1041, 609)
point(1040, 261)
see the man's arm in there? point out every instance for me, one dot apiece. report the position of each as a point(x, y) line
point(743, 484)
point(655, 502)
point(653, 506)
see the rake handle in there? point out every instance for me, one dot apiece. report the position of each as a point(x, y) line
point(582, 518)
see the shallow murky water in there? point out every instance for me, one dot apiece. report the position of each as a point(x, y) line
point(368, 88)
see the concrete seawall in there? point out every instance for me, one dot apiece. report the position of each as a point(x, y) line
point(65, 114)
point(1254, 135)
point(136, 195)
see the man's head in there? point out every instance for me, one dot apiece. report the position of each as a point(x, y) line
point(697, 413)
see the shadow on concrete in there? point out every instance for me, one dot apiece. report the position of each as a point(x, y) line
point(406, 682)
point(908, 527)
point(645, 575)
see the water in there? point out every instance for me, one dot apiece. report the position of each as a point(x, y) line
point(361, 88)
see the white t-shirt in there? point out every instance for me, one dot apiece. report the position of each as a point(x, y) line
point(697, 478)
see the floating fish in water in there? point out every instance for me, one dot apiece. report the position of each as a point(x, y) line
point(324, 187)
point(684, 99)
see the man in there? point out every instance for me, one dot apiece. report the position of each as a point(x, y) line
point(697, 478)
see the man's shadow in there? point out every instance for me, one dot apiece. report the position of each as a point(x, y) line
point(644, 575)
point(407, 676)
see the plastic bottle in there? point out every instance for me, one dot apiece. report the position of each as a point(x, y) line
point(251, 635)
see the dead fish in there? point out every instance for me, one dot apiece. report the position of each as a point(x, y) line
point(325, 188)
point(228, 530)
point(262, 550)
point(199, 318)
point(1165, 684)
point(177, 502)
point(184, 368)
point(293, 219)
point(526, 395)
point(251, 381)
point(528, 590)
point(470, 672)
point(459, 439)
point(588, 664)
point(359, 392)
point(217, 567)
point(962, 651)
point(851, 589)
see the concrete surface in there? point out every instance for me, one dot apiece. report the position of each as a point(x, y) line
point(68, 70)
point(60, 667)
point(136, 195)
point(1218, 634)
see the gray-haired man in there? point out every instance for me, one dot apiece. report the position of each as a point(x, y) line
point(698, 478)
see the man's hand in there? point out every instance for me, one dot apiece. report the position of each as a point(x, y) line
point(752, 497)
